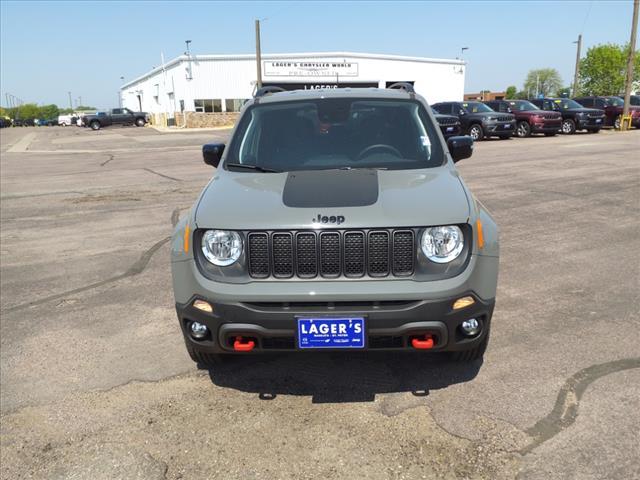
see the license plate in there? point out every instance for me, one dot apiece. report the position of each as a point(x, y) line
point(347, 332)
point(449, 129)
point(508, 125)
point(598, 120)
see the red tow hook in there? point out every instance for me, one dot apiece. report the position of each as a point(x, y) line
point(240, 345)
point(422, 343)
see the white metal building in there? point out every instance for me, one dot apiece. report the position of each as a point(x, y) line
point(221, 83)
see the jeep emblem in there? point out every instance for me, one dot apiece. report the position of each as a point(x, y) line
point(325, 219)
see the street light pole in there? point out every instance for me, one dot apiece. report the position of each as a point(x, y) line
point(632, 53)
point(258, 56)
point(70, 102)
point(577, 70)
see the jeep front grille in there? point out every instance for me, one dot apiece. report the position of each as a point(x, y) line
point(505, 118)
point(331, 253)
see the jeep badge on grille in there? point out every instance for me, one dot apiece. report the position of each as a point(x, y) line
point(328, 219)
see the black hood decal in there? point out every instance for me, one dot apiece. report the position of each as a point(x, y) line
point(331, 188)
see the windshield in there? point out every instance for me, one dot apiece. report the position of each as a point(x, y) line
point(475, 107)
point(566, 104)
point(335, 133)
point(522, 106)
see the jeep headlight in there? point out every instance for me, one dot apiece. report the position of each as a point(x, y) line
point(442, 244)
point(221, 247)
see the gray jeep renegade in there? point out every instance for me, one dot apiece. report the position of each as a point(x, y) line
point(335, 220)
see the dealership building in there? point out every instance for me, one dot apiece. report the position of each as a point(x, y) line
point(205, 90)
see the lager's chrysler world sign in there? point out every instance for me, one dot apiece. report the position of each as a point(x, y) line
point(310, 69)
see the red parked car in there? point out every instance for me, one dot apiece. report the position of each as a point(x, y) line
point(529, 118)
point(612, 107)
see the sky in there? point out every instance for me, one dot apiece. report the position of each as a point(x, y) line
point(50, 48)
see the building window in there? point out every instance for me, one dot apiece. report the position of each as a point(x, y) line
point(207, 106)
point(234, 104)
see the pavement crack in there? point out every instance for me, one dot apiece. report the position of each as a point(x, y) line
point(565, 410)
point(135, 269)
point(111, 157)
point(162, 175)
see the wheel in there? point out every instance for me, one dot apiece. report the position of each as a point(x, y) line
point(205, 359)
point(617, 122)
point(568, 126)
point(476, 132)
point(95, 125)
point(550, 134)
point(523, 129)
point(594, 130)
point(140, 122)
point(472, 354)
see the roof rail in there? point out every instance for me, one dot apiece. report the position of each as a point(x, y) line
point(262, 91)
point(406, 86)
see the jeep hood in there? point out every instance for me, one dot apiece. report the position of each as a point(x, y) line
point(364, 198)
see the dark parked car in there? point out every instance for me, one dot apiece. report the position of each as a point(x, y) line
point(634, 100)
point(4, 122)
point(449, 125)
point(612, 107)
point(574, 116)
point(116, 116)
point(477, 120)
point(529, 118)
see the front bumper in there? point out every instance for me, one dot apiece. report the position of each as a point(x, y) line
point(500, 129)
point(547, 127)
point(389, 325)
point(590, 123)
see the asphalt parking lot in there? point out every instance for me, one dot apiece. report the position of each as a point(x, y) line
point(96, 382)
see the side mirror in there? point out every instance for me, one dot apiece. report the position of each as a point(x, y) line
point(460, 147)
point(461, 112)
point(212, 153)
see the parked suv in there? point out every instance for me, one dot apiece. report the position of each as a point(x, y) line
point(574, 116)
point(335, 220)
point(529, 118)
point(613, 107)
point(477, 120)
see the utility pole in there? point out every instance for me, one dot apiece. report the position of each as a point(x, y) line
point(577, 71)
point(632, 51)
point(70, 102)
point(258, 57)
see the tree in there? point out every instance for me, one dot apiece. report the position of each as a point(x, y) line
point(545, 81)
point(511, 92)
point(48, 111)
point(603, 69)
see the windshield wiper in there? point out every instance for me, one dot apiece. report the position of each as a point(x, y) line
point(252, 167)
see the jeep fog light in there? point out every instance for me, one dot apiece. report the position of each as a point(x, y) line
point(442, 244)
point(198, 330)
point(470, 327)
point(221, 247)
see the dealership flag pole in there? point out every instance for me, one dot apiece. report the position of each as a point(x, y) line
point(632, 52)
point(258, 56)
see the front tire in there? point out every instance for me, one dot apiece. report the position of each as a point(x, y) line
point(476, 132)
point(568, 126)
point(473, 354)
point(617, 122)
point(95, 125)
point(523, 129)
point(207, 360)
point(140, 122)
